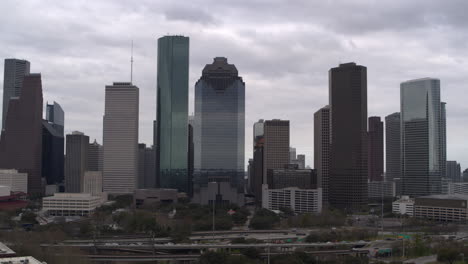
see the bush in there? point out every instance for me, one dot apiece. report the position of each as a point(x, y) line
point(264, 219)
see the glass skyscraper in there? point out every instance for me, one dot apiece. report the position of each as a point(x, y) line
point(219, 132)
point(422, 137)
point(172, 113)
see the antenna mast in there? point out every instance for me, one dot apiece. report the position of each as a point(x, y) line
point(131, 65)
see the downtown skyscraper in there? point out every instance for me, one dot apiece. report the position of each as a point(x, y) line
point(76, 162)
point(172, 113)
point(275, 145)
point(348, 137)
point(219, 129)
point(14, 73)
point(375, 138)
point(53, 144)
point(120, 138)
point(322, 150)
point(21, 139)
point(422, 137)
point(392, 147)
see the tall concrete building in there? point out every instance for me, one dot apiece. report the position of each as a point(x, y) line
point(219, 131)
point(322, 150)
point(292, 154)
point(120, 138)
point(141, 166)
point(421, 137)
point(393, 147)
point(14, 73)
point(275, 145)
point(375, 138)
point(95, 156)
point(76, 162)
point(21, 139)
point(348, 149)
point(256, 169)
point(453, 171)
point(150, 168)
point(172, 112)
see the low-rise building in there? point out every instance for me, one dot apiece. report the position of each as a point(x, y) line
point(299, 200)
point(71, 204)
point(17, 181)
point(443, 208)
point(458, 188)
point(142, 197)
point(220, 192)
point(403, 206)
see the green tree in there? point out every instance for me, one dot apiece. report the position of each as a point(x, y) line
point(212, 257)
point(448, 255)
point(29, 217)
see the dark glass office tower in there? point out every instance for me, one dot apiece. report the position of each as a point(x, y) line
point(172, 112)
point(393, 148)
point(219, 126)
point(422, 137)
point(14, 73)
point(375, 138)
point(256, 170)
point(53, 144)
point(95, 156)
point(348, 149)
point(21, 140)
point(76, 162)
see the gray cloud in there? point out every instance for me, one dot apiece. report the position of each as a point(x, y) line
point(283, 50)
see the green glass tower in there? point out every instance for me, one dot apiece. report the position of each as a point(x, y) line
point(172, 113)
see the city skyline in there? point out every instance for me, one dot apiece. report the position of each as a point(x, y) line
point(301, 71)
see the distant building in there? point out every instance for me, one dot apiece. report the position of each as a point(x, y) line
point(292, 155)
point(422, 140)
point(299, 200)
point(299, 161)
point(442, 208)
point(141, 166)
point(76, 161)
point(378, 190)
point(16, 181)
point(147, 197)
point(403, 206)
point(453, 171)
point(291, 176)
point(322, 150)
point(71, 204)
point(275, 145)
point(55, 116)
point(219, 128)
point(222, 193)
point(95, 156)
point(120, 138)
point(256, 170)
point(53, 164)
point(375, 138)
point(457, 188)
point(465, 175)
point(14, 73)
point(172, 112)
point(392, 147)
point(92, 183)
point(21, 139)
point(348, 137)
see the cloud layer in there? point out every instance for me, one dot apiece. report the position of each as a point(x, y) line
point(282, 49)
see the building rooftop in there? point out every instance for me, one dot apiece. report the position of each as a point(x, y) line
point(5, 251)
point(446, 197)
point(20, 260)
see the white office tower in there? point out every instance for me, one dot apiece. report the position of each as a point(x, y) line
point(120, 138)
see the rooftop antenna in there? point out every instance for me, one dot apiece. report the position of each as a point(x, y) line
point(131, 65)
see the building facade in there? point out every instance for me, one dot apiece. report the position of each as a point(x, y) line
point(378, 190)
point(442, 208)
point(92, 183)
point(14, 72)
point(16, 181)
point(52, 153)
point(453, 171)
point(421, 138)
point(256, 170)
point(322, 150)
point(219, 130)
point(120, 138)
point(275, 145)
point(172, 112)
point(71, 204)
point(348, 137)
point(95, 156)
point(21, 139)
point(291, 177)
point(392, 147)
point(76, 161)
point(299, 200)
point(375, 138)
point(403, 206)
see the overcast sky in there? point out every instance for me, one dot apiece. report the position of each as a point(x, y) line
point(282, 49)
